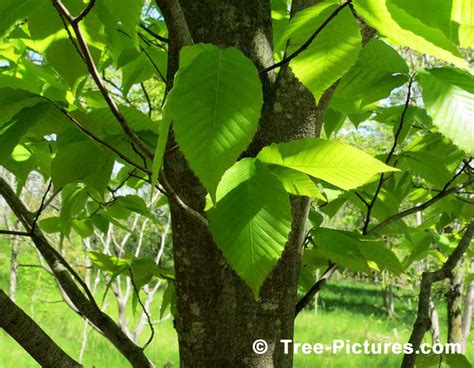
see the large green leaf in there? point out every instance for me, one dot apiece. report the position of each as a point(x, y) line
point(333, 51)
point(335, 162)
point(449, 98)
point(403, 29)
point(251, 221)
point(215, 107)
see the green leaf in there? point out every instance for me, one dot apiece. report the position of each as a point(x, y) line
point(296, 182)
point(82, 161)
point(50, 225)
point(251, 221)
point(463, 14)
point(14, 11)
point(63, 57)
point(13, 100)
point(402, 29)
point(378, 64)
point(449, 98)
point(331, 54)
point(355, 251)
point(215, 107)
point(335, 162)
point(134, 203)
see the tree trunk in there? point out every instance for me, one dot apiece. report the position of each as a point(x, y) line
point(218, 317)
point(467, 316)
point(454, 295)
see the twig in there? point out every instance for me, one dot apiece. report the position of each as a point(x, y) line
point(370, 206)
point(155, 35)
point(137, 292)
point(418, 208)
point(89, 61)
point(308, 42)
point(41, 207)
point(13, 232)
point(147, 98)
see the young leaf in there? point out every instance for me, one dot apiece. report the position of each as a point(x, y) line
point(215, 107)
point(330, 55)
point(335, 162)
point(449, 98)
point(251, 221)
point(402, 29)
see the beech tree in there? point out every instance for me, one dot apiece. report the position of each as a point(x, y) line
point(237, 134)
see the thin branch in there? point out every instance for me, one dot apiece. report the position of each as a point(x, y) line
point(102, 142)
point(93, 71)
point(304, 301)
point(155, 35)
point(41, 207)
point(308, 42)
point(15, 233)
point(84, 13)
point(150, 323)
point(418, 208)
point(370, 207)
point(147, 98)
point(423, 322)
point(173, 195)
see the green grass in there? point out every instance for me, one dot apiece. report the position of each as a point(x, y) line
point(346, 310)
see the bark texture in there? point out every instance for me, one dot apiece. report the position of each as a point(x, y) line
point(455, 301)
point(217, 316)
point(31, 337)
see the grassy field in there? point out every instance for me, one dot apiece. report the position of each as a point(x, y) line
point(347, 310)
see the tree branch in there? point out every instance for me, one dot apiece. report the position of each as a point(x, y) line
point(418, 208)
point(176, 22)
point(370, 206)
point(93, 71)
point(151, 33)
point(65, 276)
point(308, 42)
point(423, 322)
point(304, 301)
point(13, 232)
point(31, 337)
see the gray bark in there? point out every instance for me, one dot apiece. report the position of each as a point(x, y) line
point(217, 316)
point(454, 296)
